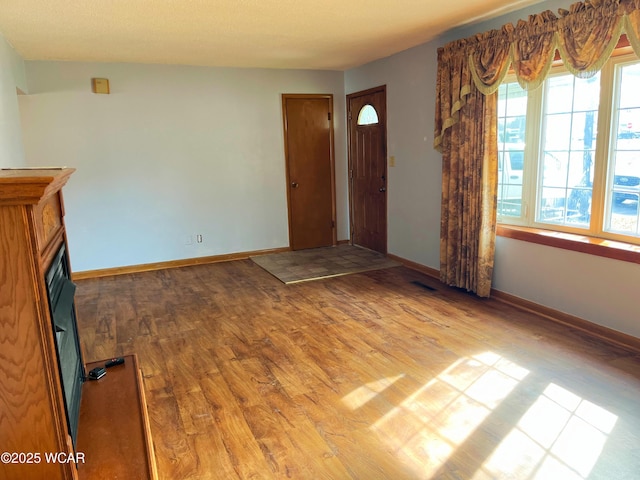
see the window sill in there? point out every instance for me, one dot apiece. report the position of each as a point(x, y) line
point(626, 252)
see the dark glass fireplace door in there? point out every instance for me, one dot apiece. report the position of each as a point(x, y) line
point(61, 291)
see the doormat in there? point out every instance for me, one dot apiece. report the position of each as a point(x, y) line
point(325, 262)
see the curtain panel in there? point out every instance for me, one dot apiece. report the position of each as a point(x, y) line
point(469, 74)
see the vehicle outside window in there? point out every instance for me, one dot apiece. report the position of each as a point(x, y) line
point(621, 211)
point(570, 116)
point(512, 122)
point(510, 167)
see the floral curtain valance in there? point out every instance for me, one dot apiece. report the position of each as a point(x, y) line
point(585, 36)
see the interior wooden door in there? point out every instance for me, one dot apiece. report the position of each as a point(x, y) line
point(308, 130)
point(366, 112)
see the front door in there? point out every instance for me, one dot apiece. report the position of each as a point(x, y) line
point(308, 130)
point(366, 113)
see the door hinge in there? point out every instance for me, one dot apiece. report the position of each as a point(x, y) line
point(351, 173)
point(333, 224)
point(329, 116)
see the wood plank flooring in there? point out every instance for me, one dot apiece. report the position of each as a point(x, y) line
point(368, 376)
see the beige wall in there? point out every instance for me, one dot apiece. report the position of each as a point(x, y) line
point(171, 153)
point(12, 76)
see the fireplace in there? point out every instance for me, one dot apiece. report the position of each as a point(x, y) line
point(61, 292)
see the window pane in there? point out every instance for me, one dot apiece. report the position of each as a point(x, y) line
point(568, 148)
point(558, 131)
point(559, 93)
point(629, 123)
point(586, 96)
point(621, 215)
point(512, 109)
point(582, 139)
point(629, 77)
point(517, 104)
point(367, 115)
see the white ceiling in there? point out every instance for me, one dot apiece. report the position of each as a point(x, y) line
point(305, 34)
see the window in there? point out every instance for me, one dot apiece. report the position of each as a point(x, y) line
point(367, 115)
point(512, 120)
point(569, 152)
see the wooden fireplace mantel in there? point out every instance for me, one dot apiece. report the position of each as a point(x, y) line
point(33, 419)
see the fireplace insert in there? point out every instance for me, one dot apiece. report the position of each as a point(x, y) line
point(61, 291)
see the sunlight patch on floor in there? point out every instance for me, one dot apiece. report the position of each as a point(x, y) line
point(365, 393)
point(427, 426)
point(560, 435)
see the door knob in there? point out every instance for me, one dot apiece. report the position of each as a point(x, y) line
point(382, 189)
point(294, 184)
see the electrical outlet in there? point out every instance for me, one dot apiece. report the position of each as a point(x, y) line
point(199, 238)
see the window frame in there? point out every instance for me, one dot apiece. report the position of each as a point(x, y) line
point(526, 227)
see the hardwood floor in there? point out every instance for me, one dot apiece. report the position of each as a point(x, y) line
point(368, 376)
